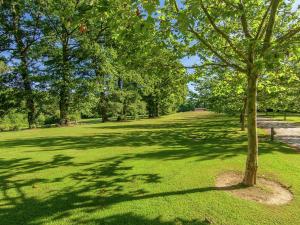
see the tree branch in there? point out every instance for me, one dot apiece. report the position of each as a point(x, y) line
point(205, 65)
point(176, 6)
point(270, 25)
point(218, 55)
point(7, 49)
point(222, 33)
point(258, 34)
point(288, 35)
point(244, 20)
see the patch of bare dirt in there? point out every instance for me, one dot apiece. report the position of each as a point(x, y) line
point(266, 191)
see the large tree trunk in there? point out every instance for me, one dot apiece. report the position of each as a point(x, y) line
point(103, 99)
point(64, 105)
point(252, 158)
point(23, 69)
point(156, 109)
point(103, 105)
point(242, 116)
point(150, 106)
point(65, 89)
point(31, 112)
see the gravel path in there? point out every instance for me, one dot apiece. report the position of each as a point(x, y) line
point(285, 131)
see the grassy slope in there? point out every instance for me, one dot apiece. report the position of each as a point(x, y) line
point(158, 172)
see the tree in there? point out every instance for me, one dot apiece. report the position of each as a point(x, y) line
point(279, 90)
point(247, 37)
point(8, 93)
point(223, 91)
point(64, 23)
point(20, 31)
point(76, 57)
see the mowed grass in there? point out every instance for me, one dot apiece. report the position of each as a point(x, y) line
point(145, 172)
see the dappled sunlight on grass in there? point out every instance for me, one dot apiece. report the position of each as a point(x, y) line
point(141, 172)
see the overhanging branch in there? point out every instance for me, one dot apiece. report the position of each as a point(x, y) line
point(288, 35)
point(218, 55)
point(221, 32)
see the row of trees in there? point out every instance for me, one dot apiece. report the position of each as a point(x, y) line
point(117, 55)
point(94, 57)
point(278, 91)
point(239, 38)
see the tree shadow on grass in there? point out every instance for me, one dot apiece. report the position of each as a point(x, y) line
point(177, 141)
point(100, 184)
point(131, 219)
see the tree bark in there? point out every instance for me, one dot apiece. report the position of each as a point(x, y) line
point(156, 108)
point(64, 105)
point(103, 105)
point(151, 106)
point(103, 99)
point(31, 112)
point(242, 116)
point(23, 68)
point(64, 89)
point(252, 157)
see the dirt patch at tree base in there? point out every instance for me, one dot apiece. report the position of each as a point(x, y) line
point(266, 191)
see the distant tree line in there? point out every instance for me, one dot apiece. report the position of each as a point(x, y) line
point(61, 60)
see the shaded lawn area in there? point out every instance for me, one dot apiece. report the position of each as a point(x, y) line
point(146, 172)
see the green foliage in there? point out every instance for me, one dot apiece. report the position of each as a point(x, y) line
point(222, 92)
point(78, 51)
point(13, 121)
point(75, 53)
point(54, 119)
point(193, 101)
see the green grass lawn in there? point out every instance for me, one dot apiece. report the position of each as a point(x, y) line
point(158, 172)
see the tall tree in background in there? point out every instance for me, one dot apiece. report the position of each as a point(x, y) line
point(64, 22)
point(280, 92)
point(9, 94)
point(74, 56)
point(223, 91)
point(20, 31)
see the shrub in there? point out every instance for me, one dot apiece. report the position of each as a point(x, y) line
point(51, 120)
point(13, 121)
point(75, 117)
point(40, 120)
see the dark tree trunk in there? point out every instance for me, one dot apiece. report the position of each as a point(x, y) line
point(28, 93)
point(120, 83)
point(103, 99)
point(252, 158)
point(64, 105)
point(242, 116)
point(152, 106)
point(125, 109)
point(23, 69)
point(103, 106)
point(31, 112)
point(156, 109)
point(150, 113)
point(64, 102)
